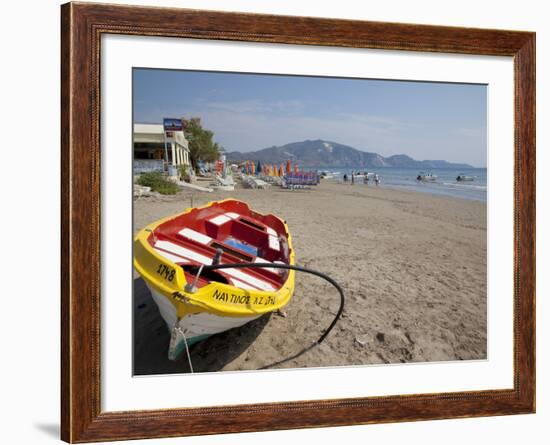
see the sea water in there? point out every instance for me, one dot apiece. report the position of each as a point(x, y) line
point(405, 179)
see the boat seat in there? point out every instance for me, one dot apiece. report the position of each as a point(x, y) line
point(217, 227)
point(233, 249)
point(231, 225)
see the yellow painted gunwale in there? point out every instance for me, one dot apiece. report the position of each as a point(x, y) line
point(215, 298)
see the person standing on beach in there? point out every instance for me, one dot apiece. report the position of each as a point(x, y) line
point(352, 178)
point(376, 179)
point(366, 179)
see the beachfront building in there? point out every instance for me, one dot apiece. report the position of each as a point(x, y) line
point(156, 149)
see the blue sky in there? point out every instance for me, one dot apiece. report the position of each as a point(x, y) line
point(248, 112)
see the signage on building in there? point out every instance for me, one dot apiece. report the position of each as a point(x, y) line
point(172, 124)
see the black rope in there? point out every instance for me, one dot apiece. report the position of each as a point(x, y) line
point(289, 267)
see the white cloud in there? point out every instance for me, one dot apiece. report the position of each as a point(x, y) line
point(247, 126)
point(254, 124)
point(256, 106)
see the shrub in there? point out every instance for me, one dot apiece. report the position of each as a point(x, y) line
point(158, 183)
point(184, 175)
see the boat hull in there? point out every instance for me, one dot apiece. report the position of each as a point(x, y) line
point(191, 328)
point(193, 313)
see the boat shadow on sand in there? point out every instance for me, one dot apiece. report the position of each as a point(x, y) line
point(151, 339)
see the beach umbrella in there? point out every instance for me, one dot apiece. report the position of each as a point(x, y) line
point(253, 167)
point(296, 168)
point(281, 170)
point(288, 166)
point(259, 167)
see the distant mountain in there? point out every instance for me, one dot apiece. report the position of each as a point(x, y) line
point(319, 153)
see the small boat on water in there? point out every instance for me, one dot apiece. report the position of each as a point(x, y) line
point(462, 177)
point(426, 177)
point(170, 255)
point(360, 175)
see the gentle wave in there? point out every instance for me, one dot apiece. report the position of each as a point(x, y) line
point(405, 178)
point(466, 186)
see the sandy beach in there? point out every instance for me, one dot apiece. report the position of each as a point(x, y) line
point(412, 265)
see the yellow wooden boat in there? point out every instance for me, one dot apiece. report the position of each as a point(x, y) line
point(173, 254)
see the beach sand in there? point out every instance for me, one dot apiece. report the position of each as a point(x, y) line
point(412, 265)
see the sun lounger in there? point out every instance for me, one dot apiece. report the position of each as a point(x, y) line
point(300, 180)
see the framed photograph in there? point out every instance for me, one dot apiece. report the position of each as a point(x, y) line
point(274, 222)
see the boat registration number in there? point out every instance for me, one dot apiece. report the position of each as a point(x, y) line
point(166, 272)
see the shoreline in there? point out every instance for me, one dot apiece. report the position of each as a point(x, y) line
point(432, 193)
point(412, 265)
point(446, 184)
point(404, 189)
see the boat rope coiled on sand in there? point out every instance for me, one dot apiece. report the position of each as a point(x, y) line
point(216, 265)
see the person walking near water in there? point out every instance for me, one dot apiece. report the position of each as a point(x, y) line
point(376, 179)
point(352, 178)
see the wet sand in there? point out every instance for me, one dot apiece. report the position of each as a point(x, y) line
point(412, 265)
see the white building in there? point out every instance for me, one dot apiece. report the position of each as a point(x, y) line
point(155, 149)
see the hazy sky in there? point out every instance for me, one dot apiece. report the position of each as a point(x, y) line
point(254, 111)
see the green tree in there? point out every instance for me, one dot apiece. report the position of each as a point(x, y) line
point(201, 142)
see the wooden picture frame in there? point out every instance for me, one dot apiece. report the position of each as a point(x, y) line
point(82, 26)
